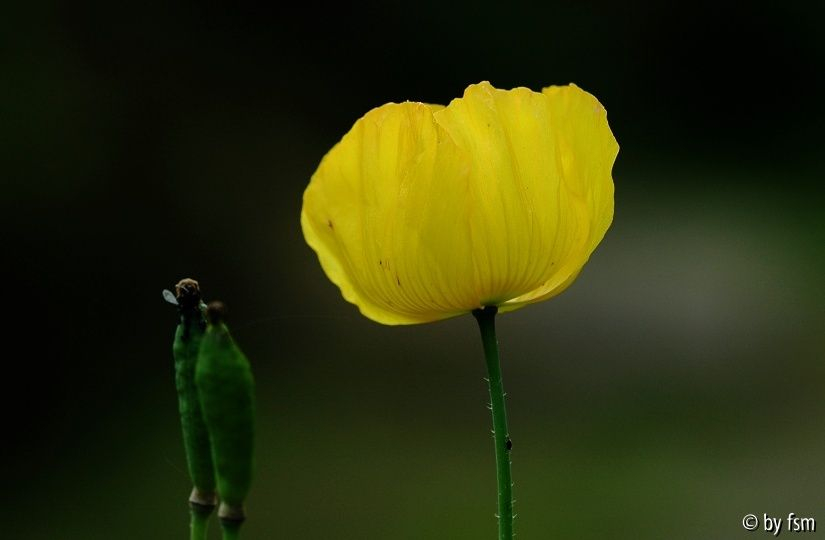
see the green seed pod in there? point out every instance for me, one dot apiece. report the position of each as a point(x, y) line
point(187, 343)
point(226, 389)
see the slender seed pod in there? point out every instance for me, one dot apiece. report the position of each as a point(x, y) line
point(226, 389)
point(187, 343)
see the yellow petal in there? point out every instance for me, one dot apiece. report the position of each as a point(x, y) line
point(541, 164)
point(422, 212)
point(374, 205)
point(586, 151)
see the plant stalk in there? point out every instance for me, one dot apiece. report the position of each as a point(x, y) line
point(232, 517)
point(199, 524)
point(231, 529)
point(501, 436)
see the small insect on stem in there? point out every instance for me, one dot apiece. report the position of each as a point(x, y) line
point(188, 293)
point(169, 296)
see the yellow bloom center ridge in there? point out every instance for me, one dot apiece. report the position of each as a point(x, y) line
point(423, 212)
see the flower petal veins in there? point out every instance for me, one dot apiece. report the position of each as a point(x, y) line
point(424, 212)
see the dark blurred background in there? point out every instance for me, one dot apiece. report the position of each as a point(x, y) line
point(676, 387)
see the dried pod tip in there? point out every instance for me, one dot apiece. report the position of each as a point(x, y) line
point(215, 312)
point(188, 293)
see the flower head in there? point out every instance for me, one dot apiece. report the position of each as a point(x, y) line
point(423, 212)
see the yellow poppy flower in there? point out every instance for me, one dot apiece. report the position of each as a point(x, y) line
point(423, 212)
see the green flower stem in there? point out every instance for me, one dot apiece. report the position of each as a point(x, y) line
point(199, 524)
point(486, 318)
point(231, 529)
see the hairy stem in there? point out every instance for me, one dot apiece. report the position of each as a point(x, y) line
point(486, 323)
